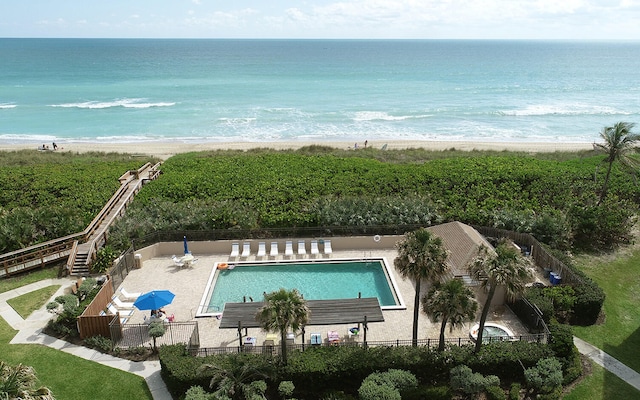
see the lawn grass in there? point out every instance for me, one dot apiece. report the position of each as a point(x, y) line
point(71, 377)
point(7, 284)
point(602, 385)
point(619, 277)
point(29, 302)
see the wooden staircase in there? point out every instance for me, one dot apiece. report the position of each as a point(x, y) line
point(96, 234)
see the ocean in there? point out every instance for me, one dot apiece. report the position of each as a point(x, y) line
point(139, 90)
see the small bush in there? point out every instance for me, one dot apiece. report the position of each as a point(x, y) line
point(197, 393)
point(99, 342)
point(286, 388)
point(514, 391)
point(545, 377)
point(428, 392)
point(495, 393)
point(466, 381)
point(370, 390)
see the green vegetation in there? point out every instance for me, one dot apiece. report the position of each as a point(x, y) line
point(602, 385)
point(329, 369)
point(68, 376)
point(29, 302)
point(46, 195)
point(27, 278)
point(619, 334)
point(268, 189)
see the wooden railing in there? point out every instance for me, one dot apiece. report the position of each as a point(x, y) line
point(38, 255)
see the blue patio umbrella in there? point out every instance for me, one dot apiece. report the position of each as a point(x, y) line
point(186, 247)
point(154, 300)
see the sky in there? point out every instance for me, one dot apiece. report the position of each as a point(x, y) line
point(323, 19)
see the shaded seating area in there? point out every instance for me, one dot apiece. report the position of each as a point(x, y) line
point(323, 312)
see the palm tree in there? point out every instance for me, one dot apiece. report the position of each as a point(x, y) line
point(618, 142)
point(283, 310)
point(451, 302)
point(503, 267)
point(19, 382)
point(234, 380)
point(420, 256)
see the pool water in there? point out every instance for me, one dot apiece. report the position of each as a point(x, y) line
point(318, 280)
point(493, 331)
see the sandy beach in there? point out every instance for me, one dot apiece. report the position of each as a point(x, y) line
point(166, 149)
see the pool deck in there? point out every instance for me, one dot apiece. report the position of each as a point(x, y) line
point(188, 284)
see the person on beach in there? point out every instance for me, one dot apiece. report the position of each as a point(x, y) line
point(55, 146)
point(365, 143)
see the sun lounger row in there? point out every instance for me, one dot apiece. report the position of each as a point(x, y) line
point(274, 251)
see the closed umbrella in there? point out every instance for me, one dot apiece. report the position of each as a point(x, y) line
point(186, 247)
point(154, 300)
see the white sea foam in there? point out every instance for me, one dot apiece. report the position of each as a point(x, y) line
point(383, 116)
point(125, 103)
point(7, 106)
point(563, 109)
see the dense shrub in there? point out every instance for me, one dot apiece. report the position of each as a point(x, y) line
point(99, 342)
point(387, 385)
point(495, 393)
point(464, 380)
point(561, 343)
point(545, 377)
point(285, 389)
point(200, 191)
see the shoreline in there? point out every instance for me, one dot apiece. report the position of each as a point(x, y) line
point(166, 149)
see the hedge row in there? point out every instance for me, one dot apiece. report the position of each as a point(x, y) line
point(326, 369)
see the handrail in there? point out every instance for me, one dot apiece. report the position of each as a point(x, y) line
point(70, 242)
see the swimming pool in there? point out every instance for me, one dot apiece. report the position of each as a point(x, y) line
point(315, 279)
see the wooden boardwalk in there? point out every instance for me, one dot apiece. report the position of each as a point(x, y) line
point(79, 249)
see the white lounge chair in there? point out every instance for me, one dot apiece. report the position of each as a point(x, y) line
point(177, 261)
point(274, 249)
point(129, 296)
point(262, 249)
point(121, 304)
point(235, 250)
point(246, 249)
point(288, 250)
point(314, 248)
point(302, 248)
point(327, 248)
point(123, 313)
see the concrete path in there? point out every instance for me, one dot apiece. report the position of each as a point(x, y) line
point(30, 332)
point(609, 363)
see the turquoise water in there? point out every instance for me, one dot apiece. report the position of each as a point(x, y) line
point(315, 280)
point(118, 90)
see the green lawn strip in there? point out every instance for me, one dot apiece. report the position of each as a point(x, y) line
point(29, 302)
point(619, 335)
point(71, 377)
point(602, 385)
point(7, 284)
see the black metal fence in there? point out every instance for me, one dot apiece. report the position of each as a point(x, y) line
point(530, 315)
point(274, 350)
point(121, 269)
point(137, 335)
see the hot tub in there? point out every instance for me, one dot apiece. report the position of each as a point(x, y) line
point(491, 332)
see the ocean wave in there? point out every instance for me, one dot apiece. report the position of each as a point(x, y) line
point(574, 109)
point(361, 116)
point(125, 103)
point(7, 106)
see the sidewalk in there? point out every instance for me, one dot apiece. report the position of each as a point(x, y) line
point(609, 363)
point(30, 332)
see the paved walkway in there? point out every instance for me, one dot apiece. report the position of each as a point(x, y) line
point(609, 363)
point(30, 332)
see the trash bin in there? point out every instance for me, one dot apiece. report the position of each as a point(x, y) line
point(553, 278)
point(137, 261)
